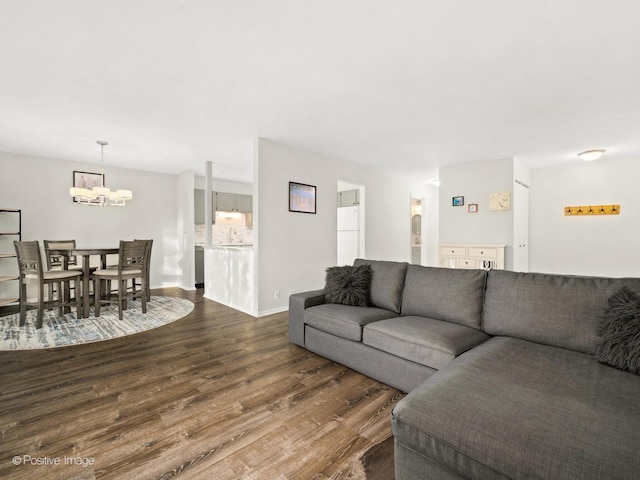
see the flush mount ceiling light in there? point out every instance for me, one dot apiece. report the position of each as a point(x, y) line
point(99, 195)
point(589, 155)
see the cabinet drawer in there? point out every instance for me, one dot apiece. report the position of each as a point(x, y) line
point(483, 252)
point(466, 263)
point(452, 251)
point(448, 262)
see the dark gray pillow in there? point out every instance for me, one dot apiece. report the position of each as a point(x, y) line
point(348, 285)
point(619, 344)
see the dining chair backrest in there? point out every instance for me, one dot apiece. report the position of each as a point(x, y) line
point(149, 247)
point(133, 255)
point(56, 261)
point(29, 260)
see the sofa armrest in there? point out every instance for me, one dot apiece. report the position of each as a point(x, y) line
point(298, 302)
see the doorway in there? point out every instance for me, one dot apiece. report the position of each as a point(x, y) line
point(520, 227)
point(416, 230)
point(350, 222)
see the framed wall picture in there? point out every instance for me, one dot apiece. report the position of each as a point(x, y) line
point(473, 208)
point(302, 198)
point(87, 180)
point(500, 201)
point(457, 201)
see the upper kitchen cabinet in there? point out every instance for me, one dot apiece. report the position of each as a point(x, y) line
point(244, 203)
point(225, 201)
point(234, 202)
point(220, 201)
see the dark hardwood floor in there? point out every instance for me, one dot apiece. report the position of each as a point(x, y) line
point(215, 395)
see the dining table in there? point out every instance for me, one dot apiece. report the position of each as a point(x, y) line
point(85, 254)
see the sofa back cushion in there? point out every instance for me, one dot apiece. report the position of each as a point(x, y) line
point(387, 281)
point(557, 310)
point(454, 295)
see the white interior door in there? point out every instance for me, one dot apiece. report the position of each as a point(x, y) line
point(520, 227)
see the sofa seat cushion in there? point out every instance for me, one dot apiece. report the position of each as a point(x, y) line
point(426, 341)
point(510, 408)
point(344, 321)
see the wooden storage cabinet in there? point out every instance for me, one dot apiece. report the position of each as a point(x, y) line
point(485, 257)
point(10, 230)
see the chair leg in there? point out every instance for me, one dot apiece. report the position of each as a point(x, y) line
point(63, 293)
point(23, 304)
point(143, 297)
point(97, 295)
point(67, 297)
point(40, 306)
point(122, 285)
point(77, 290)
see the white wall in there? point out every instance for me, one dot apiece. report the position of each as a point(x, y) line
point(40, 187)
point(185, 229)
point(430, 225)
point(294, 249)
point(593, 245)
point(475, 182)
point(227, 186)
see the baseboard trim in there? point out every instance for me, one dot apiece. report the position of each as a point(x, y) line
point(264, 313)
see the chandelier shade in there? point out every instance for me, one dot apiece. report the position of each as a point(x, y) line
point(100, 195)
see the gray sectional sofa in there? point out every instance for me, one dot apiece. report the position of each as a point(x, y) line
point(499, 366)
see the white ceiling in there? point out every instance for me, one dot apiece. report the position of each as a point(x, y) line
point(405, 84)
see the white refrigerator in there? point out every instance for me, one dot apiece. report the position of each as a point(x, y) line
point(348, 235)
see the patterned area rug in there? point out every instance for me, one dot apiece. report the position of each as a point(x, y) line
point(69, 330)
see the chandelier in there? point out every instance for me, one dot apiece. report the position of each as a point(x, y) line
point(100, 195)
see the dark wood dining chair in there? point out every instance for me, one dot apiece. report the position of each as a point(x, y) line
point(56, 262)
point(148, 267)
point(32, 273)
point(132, 265)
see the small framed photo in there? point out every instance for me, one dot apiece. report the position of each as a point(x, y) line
point(302, 198)
point(473, 208)
point(87, 180)
point(457, 201)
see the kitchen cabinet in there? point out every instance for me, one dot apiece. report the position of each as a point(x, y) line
point(244, 203)
point(225, 202)
point(199, 267)
point(233, 202)
point(220, 201)
point(10, 230)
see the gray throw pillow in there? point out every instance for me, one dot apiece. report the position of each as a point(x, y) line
point(348, 285)
point(619, 344)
